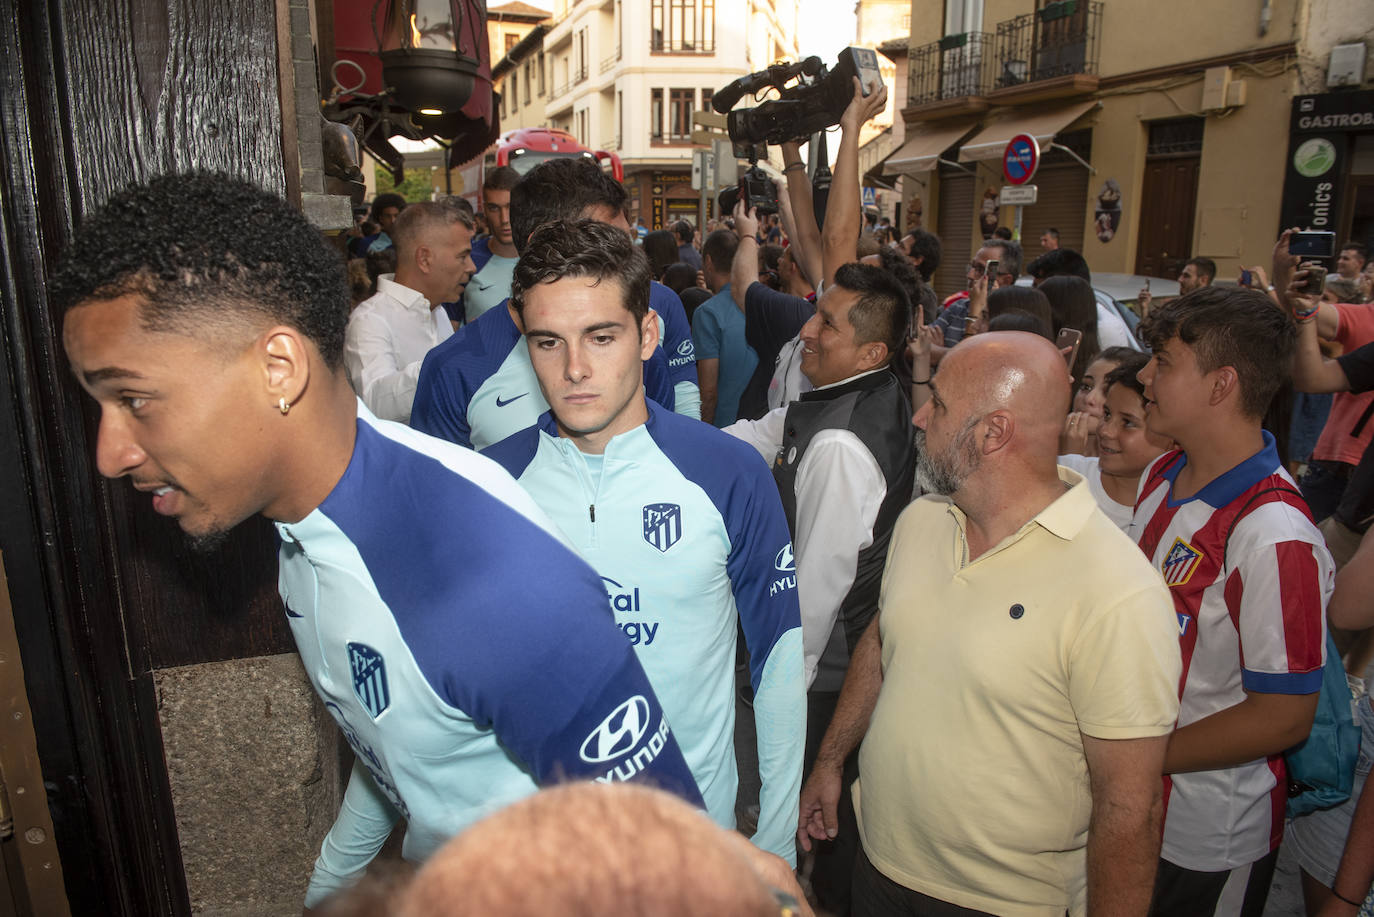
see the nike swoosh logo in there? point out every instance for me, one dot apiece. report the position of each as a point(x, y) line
point(292, 614)
point(501, 404)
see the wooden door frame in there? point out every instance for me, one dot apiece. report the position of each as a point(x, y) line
point(96, 727)
point(1347, 210)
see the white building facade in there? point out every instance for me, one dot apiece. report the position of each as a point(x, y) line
point(626, 77)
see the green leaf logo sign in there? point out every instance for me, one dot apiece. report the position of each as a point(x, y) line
point(1314, 158)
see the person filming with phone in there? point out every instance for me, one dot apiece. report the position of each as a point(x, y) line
point(1196, 274)
point(1346, 436)
point(999, 260)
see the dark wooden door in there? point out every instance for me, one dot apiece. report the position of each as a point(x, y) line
point(98, 96)
point(1168, 205)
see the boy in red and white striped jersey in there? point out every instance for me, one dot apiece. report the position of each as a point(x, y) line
point(1250, 576)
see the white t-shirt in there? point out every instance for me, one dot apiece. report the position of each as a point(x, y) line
point(1112, 330)
point(1119, 513)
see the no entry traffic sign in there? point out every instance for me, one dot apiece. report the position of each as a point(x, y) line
point(1020, 159)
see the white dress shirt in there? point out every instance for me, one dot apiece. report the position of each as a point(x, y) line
point(1112, 330)
point(839, 490)
point(387, 339)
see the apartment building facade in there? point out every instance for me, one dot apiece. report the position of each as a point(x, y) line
point(1168, 130)
point(626, 78)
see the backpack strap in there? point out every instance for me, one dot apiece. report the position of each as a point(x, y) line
point(1235, 520)
point(1364, 419)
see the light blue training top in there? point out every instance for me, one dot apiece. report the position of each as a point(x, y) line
point(686, 528)
point(463, 678)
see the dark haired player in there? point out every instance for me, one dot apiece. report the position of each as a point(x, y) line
point(1250, 606)
point(682, 522)
point(206, 317)
point(478, 387)
point(494, 256)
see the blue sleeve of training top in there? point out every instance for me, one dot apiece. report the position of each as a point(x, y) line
point(441, 398)
point(568, 696)
point(481, 254)
point(658, 381)
point(764, 582)
point(763, 577)
point(677, 334)
point(452, 373)
point(363, 824)
point(550, 674)
point(678, 350)
point(515, 452)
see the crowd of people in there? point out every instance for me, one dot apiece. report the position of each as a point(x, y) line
point(1031, 605)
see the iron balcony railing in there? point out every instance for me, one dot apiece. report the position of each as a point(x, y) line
point(580, 75)
point(661, 45)
point(609, 62)
point(955, 66)
point(1060, 39)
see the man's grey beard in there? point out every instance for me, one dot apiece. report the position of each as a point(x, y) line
point(945, 474)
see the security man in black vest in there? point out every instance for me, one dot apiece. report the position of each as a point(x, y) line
point(843, 458)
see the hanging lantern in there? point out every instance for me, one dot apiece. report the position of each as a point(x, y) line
point(423, 57)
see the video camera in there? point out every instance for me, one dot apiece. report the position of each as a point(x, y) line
point(815, 101)
point(758, 190)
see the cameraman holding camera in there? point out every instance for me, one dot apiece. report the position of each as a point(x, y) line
point(842, 455)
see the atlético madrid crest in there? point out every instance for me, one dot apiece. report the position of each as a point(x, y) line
point(369, 678)
point(662, 525)
point(1180, 563)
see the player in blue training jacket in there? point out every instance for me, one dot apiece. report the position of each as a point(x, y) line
point(683, 522)
point(206, 317)
point(478, 387)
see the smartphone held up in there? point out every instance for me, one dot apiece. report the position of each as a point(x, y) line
point(1068, 341)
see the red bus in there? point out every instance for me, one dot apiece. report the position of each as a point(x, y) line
point(526, 147)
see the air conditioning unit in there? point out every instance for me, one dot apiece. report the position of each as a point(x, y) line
point(1346, 67)
point(1216, 82)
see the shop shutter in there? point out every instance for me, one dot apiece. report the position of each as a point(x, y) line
point(1062, 203)
point(955, 229)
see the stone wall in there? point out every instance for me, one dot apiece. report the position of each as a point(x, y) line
point(252, 758)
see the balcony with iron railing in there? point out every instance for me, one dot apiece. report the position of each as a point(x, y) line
point(608, 64)
point(1049, 54)
point(951, 76)
point(661, 44)
point(561, 99)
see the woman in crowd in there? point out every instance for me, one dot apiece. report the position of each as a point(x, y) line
point(1007, 301)
point(1072, 305)
point(1089, 394)
point(661, 247)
